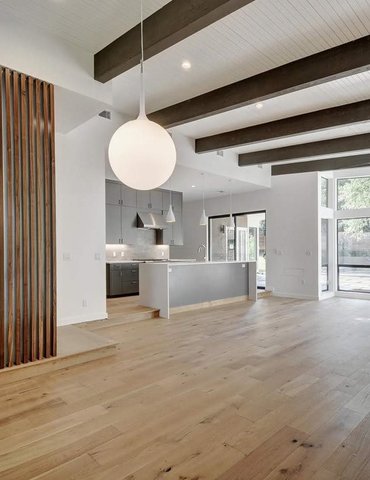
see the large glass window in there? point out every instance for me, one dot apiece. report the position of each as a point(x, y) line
point(353, 193)
point(354, 254)
point(244, 242)
point(353, 234)
point(324, 278)
point(324, 192)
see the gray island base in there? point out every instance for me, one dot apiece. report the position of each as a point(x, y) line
point(174, 287)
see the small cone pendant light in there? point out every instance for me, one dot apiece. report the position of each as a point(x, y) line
point(170, 217)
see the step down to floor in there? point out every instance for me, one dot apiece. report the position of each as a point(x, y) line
point(75, 346)
point(264, 293)
point(122, 318)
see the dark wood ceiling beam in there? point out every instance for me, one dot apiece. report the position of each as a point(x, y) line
point(337, 62)
point(174, 22)
point(309, 122)
point(305, 150)
point(324, 165)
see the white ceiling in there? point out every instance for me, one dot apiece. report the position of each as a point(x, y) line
point(256, 38)
point(88, 24)
point(339, 92)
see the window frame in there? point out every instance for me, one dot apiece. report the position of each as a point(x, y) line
point(234, 215)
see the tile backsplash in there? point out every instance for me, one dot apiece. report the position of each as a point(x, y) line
point(129, 252)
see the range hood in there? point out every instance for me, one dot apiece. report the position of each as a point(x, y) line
point(154, 221)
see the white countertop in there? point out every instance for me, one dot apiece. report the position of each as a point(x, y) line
point(175, 260)
point(175, 263)
point(123, 261)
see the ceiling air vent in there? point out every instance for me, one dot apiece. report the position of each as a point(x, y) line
point(105, 114)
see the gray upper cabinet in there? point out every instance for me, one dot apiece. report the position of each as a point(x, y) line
point(166, 200)
point(176, 200)
point(173, 234)
point(113, 224)
point(122, 205)
point(143, 199)
point(177, 230)
point(156, 200)
point(112, 193)
point(150, 200)
point(128, 196)
point(129, 225)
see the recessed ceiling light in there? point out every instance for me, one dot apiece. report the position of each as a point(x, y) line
point(259, 105)
point(193, 186)
point(186, 65)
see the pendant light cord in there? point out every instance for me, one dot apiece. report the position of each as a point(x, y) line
point(203, 190)
point(142, 89)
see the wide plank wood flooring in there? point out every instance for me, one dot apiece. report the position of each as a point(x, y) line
point(273, 390)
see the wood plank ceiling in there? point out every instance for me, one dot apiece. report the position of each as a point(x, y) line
point(256, 38)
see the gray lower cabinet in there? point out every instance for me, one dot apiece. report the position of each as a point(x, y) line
point(122, 279)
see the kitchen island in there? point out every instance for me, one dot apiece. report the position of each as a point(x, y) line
point(173, 286)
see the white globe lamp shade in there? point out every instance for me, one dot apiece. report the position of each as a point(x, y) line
point(170, 217)
point(142, 154)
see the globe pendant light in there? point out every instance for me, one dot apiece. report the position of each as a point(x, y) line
point(203, 219)
point(142, 154)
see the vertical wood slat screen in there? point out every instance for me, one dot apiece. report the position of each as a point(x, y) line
point(27, 219)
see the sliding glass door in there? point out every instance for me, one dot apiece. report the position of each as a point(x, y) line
point(246, 242)
point(324, 277)
point(354, 255)
point(353, 234)
point(251, 242)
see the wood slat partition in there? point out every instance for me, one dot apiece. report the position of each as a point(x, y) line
point(27, 219)
point(2, 232)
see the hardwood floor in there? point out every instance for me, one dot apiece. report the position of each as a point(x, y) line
point(273, 390)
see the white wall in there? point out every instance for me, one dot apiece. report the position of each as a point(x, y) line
point(49, 58)
point(292, 231)
point(80, 184)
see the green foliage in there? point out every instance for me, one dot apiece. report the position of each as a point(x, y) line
point(354, 193)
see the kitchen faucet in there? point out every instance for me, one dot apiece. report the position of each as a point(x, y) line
point(202, 245)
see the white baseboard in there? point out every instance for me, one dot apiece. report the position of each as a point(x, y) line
point(355, 295)
point(82, 318)
point(295, 296)
point(326, 295)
